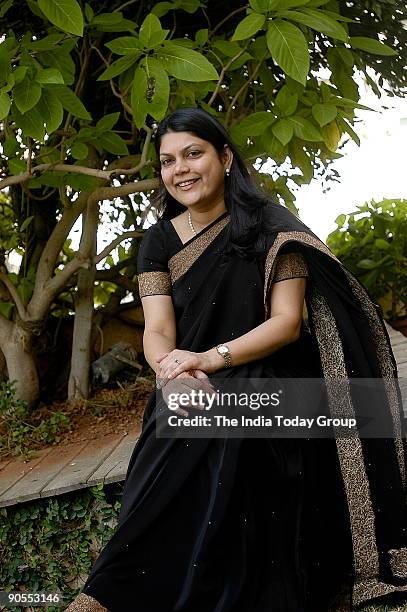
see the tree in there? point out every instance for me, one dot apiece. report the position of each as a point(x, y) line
point(82, 87)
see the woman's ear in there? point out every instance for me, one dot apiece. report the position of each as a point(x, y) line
point(227, 155)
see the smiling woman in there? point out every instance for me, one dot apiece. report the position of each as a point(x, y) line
point(232, 524)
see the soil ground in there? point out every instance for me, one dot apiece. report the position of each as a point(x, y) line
point(110, 410)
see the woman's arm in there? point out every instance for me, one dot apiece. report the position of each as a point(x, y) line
point(160, 329)
point(283, 327)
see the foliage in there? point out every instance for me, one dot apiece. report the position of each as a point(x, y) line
point(372, 243)
point(50, 544)
point(20, 431)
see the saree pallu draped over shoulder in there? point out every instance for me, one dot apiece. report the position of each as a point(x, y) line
point(261, 525)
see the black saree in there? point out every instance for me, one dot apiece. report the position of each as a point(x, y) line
point(256, 525)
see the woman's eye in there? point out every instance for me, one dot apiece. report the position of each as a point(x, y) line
point(164, 161)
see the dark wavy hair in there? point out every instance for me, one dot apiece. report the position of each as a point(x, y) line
point(244, 201)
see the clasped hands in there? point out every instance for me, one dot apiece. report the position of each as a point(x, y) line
point(181, 371)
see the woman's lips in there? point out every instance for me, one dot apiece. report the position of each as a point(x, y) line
point(187, 187)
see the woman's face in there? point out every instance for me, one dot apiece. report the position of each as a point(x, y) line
point(184, 156)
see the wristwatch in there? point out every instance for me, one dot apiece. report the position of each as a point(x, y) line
point(224, 352)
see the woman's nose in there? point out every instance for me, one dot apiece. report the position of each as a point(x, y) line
point(181, 166)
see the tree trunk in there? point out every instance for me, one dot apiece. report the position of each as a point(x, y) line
point(20, 364)
point(78, 386)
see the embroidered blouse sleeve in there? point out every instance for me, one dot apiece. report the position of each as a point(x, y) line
point(152, 264)
point(289, 264)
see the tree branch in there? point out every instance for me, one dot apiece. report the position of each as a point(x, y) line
point(108, 193)
point(242, 88)
point(100, 174)
point(58, 282)
point(222, 75)
point(220, 24)
point(114, 244)
point(6, 329)
point(14, 294)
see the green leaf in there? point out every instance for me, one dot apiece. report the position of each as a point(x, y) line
point(324, 113)
point(124, 25)
point(6, 4)
point(6, 308)
point(264, 6)
point(49, 76)
point(249, 26)
point(16, 166)
point(157, 90)
point(47, 43)
point(305, 129)
point(71, 102)
point(367, 264)
point(60, 59)
point(286, 101)
point(11, 147)
point(348, 128)
point(382, 244)
point(51, 109)
point(289, 48)
point(138, 97)
point(89, 12)
point(26, 223)
point(65, 14)
point(19, 73)
point(5, 104)
point(4, 63)
point(371, 46)
point(124, 45)
point(107, 122)
point(32, 123)
point(113, 143)
point(186, 64)
point(340, 220)
point(283, 130)
point(79, 150)
point(201, 36)
point(150, 26)
point(350, 103)
point(319, 21)
point(26, 94)
point(256, 123)
point(81, 182)
point(119, 66)
point(331, 135)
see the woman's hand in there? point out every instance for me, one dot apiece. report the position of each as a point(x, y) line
point(178, 361)
point(184, 383)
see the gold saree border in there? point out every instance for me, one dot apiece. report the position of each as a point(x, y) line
point(386, 366)
point(154, 283)
point(350, 453)
point(85, 603)
point(289, 265)
point(182, 261)
point(398, 562)
point(281, 239)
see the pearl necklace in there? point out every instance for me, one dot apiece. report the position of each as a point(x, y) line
point(191, 225)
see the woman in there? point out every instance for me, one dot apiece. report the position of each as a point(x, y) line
point(239, 524)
